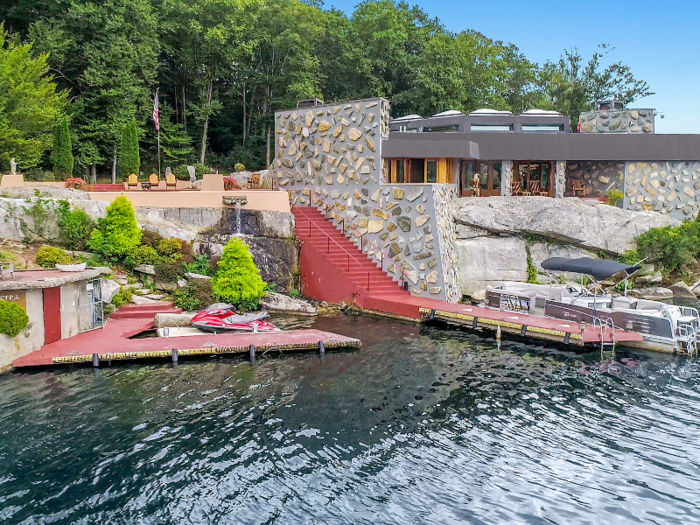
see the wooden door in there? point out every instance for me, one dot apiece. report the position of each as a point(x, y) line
point(52, 315)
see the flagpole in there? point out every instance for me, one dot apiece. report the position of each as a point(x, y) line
point(159, 172)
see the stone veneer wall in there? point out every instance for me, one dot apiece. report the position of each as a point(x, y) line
point(330, 157)
point(560, 179)
point(667, 187)
point(618, 121)
point(598, 176)
point(506, 178)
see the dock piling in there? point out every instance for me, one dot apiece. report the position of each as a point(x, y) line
point(95, 360)
point(175, 355)
point(322, 349)
point(252, 354)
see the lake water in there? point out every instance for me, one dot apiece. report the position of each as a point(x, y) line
point(423, 425)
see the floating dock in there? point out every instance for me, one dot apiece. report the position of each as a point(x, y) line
point(114, 343)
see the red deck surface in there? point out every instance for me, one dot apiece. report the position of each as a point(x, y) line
point(112, 343)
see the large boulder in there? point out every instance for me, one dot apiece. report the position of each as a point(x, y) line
point(540, 251)
point(590, 224)
point(109, 290)
point(45, 192)
point(490, 260)
point(275, 302)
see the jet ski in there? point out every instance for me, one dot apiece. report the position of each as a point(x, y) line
point(220, 318)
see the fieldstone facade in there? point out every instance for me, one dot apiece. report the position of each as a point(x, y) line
point(506, 178)
point(598, 177)
point(329, 157)
point(671, 188)
point(638, 121)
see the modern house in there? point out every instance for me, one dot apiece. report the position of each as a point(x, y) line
point(388, 185)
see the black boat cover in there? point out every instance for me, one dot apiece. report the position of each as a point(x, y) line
point(597, 268)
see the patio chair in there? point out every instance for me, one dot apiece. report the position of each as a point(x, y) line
point(132, 181)
point(7, 268)
point(519, 191)
point(153, 179)
point(577, 187)
point(171, 182)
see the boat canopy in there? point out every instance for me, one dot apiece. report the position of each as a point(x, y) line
point(599, 269)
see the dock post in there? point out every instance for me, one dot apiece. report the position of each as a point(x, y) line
point(498, 333)
point(252, 354)
point(322, 348)
point(95, 360)
point(175, 355)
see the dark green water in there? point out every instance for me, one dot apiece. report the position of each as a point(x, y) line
point(422, 426)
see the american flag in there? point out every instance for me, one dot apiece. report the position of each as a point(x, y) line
point(155, 114)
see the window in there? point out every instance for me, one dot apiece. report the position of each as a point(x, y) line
point(417, 171)
point(400, 171)
point(496, 184)
point(431, 169)
point(491, 128)
point(543, 128)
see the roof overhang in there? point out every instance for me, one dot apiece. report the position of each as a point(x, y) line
point(394, 148)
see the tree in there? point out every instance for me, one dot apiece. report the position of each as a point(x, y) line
point(118, 234)
point(572, 86)
point(238, 280)
point(62, 152)
point(129, 160)
point(29, 103)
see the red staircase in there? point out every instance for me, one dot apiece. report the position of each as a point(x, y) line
point(333, 269)
point(144, 311)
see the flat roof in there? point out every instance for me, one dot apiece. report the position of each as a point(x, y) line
point(544, 146)
point(38, 279)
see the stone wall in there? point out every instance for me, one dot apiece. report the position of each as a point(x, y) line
point(598, 177)
point(329, 157)
point(30, 339)
point(639, 121)
point(671, 188)
point(506, 178)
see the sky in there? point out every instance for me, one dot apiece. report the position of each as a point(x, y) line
point(659, 40)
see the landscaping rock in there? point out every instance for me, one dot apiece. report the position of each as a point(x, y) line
point(138, 300)
point(653, 278)
point(190, 275)
point(163, 320)
point(155, 296)
point(592, 225)
point(654, 294)
point(166, 286)
point(276, 302)
point(148, 269)
point(479, 295)
point(680, 289)
point(109, 290)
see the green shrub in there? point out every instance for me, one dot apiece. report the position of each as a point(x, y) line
point(181, 172)
point(141, 255)
point(196, 296)
point(628, 257)
point(62, 152)
point(187, 253)
point(200, 265)
point(124, 296)
point(75, 226)
point(238, 280)
point(128, 156)
point(49, 256)
point(118, 234)
point(13, 319)
point(239, 167)
point(612, 197)
point(168, 271)
point(531, 271)
point(671, 247)
point(168, 247)
point(151, 239)
point(295, 293)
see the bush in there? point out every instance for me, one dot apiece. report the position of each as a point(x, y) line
point(39, 175)
point(238, 280)
point(181, 172)
point(613, 197)
point(531, 271)
point(118, 234)
point(62, 152)
point(49, 256)
point(124, 296)
point(76, 183)
point(169, 271)
point(75, 226)
point(141, 255)
point(13, 319)
point(200, 266)
point(151, 239)
point(196, 296)
point(671, 247)
point(239, 167)
point(168, 247)
point(129, 160)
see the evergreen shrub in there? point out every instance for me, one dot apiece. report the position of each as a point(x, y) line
point(141, 255)
point(13, 319)
point(239, 167)
point(169, 271)
point(75, 226)
point(238, 280)
point(128, 155)
point(118, 234)
point(49, 256)
point(151, 239)
point(196, 296)
point(62, 152)
point(168, 247)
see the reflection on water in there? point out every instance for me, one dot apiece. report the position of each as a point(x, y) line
point(421, 426)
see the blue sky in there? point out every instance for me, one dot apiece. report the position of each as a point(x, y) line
point(659, 40)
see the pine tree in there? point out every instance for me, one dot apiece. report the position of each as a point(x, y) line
point(62, 152)
point(129, 161)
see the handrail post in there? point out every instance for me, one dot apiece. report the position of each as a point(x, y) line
point(368, 281)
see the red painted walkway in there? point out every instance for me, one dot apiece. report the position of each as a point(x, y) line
point(333, 269)
point(112, 343)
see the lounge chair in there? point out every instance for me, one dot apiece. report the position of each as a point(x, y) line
point(7, 268)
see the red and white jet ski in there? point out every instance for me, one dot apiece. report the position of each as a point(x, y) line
point(219, 318)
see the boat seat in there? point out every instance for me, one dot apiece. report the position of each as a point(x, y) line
point(624, 302)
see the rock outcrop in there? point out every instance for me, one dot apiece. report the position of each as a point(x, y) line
point(490, 260)
point(589, 224)
point(275, 302)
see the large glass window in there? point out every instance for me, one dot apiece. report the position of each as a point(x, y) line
point(484, 176)
point(417, 171)
point(400, 171)
point(496, 181)
point(431, 169)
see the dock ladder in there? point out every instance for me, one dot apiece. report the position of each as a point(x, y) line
point(602, 323)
